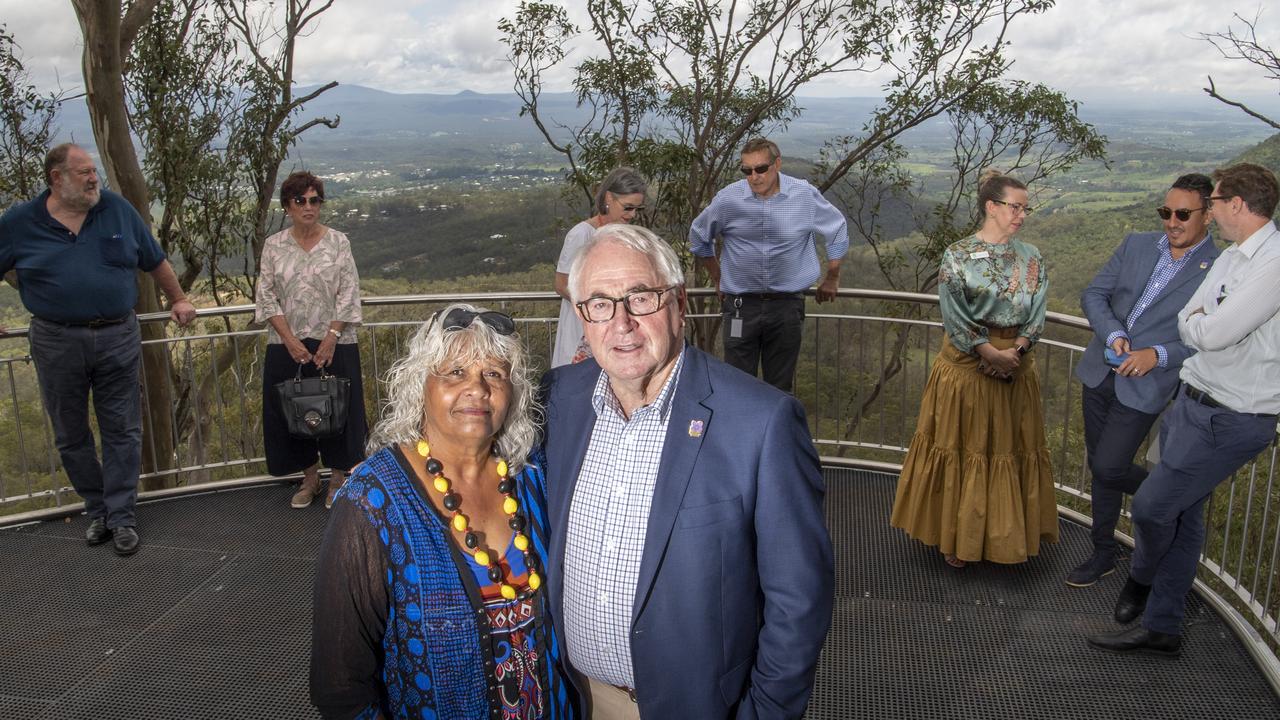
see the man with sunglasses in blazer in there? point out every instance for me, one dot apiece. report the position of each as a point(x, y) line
point(768, 225)
point(1130, 369)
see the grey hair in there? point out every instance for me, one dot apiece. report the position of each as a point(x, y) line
point(637, 238)
point(430, 349)
point(622, 181)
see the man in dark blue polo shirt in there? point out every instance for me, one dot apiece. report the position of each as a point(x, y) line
point(77, 249)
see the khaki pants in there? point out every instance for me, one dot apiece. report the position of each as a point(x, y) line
point(610, 703)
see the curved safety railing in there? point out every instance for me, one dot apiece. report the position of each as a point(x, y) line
point(863, 368)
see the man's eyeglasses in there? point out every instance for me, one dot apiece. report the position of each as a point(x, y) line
point(313, 200)
point(632, 208)
point(758, 169)
point(1016, 207)
point(1183, 214)
point(1220, 197)
point(461, 318)
point(639, 302)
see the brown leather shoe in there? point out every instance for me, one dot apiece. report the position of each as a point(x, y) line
point(307, 491)
point(336, 481)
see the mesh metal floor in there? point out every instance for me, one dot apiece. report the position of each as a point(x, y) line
point(212, 620)
point(913, 638)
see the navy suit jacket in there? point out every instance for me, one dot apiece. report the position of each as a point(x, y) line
point(1107, 301)
point(735, 588)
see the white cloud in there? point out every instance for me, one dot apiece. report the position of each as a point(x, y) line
point(1080, 46)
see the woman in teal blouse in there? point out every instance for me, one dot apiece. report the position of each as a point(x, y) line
point(976, 483)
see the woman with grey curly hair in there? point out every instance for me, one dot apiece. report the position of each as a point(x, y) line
point(427, 594)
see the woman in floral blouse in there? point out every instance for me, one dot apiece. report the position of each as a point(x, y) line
point(976, 482)
point(309, 295)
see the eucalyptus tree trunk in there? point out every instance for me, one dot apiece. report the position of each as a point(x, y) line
point(108, 33)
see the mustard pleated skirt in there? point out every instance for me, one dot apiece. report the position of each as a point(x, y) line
point(976, 482)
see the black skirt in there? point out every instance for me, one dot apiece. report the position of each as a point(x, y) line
point(287, 454)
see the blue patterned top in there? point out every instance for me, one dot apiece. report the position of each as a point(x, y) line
point(400, 625)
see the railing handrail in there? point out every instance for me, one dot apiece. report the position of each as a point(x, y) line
point(1057, 318)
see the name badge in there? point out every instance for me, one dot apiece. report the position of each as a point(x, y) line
point(979, 255)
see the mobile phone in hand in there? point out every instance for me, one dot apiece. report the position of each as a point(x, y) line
point(1112, 358)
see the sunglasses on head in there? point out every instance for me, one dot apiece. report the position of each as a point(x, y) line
point(313, 200)
point(461, 318)
point(1183, 214)
point(758, 169)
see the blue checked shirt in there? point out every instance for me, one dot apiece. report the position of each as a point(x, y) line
point(769, 243)
point(608, 518)
point(1166, 268)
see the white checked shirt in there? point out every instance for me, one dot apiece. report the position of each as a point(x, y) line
point(608, 518)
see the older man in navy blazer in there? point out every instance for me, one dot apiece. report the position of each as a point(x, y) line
point(690, 568)
point(1130, 369)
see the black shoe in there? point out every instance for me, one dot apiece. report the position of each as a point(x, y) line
point(1099, 565)
point(1139, 639)
point(98, 532)
point(1132, 601)
point(126, 541)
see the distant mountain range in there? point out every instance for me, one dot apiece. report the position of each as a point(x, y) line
point(420, 124)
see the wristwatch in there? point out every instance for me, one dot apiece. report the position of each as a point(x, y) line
point(1023, 349)
point(335, 333)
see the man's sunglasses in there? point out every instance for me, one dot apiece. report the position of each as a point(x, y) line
point(1183, 214)
point(313, 200)
point(461, 318)
point(758, 169)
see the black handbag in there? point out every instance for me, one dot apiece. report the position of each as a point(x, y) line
point(314, 407)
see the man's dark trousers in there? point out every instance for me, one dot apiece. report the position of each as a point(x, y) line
point(1112, 433)
point(1200, 446)
point(70, 362)
point(772, 327)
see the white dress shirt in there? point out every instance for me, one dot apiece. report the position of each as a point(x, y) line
point(1238, 334)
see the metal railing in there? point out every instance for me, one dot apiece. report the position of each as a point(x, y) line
point(863, 367)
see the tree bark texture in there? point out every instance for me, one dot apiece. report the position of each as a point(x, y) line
point(108, 32)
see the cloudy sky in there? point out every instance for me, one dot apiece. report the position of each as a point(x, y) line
point(1089, 48)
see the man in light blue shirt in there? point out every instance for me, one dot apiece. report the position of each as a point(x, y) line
point(768, 225)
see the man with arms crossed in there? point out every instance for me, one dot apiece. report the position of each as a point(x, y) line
point(690, 569)
point(768, 223)
point(1224, 415)
point(77, 249)
point(1132, 305)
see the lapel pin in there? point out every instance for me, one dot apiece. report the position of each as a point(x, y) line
point(695, 428)
point(1203, 264)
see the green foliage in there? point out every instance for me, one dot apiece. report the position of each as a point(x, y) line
point(184, 100)
point(1027, 129)
point(26, 126)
